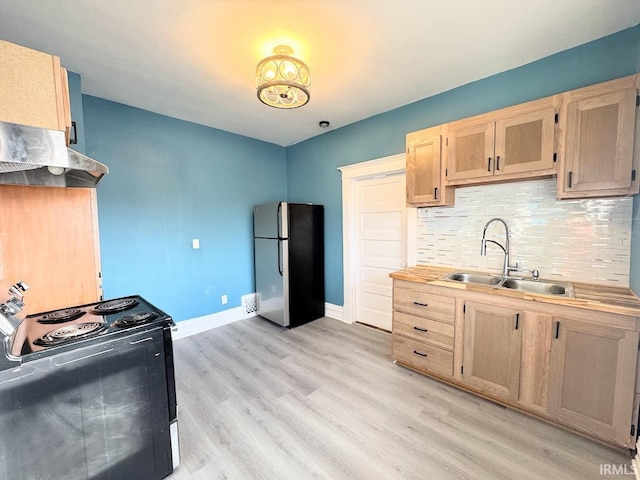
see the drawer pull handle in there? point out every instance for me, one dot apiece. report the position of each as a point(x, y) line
point(420, 329)
point(421, 304)
point(418, 353)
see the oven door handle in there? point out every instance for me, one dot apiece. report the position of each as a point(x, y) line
point(60, 364)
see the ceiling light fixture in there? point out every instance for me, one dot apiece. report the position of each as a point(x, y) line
point(282, 80)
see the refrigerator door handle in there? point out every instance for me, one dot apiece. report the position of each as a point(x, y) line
point(279, 220)
point(280, 271)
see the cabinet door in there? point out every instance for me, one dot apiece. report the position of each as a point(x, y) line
point(492, 346)
point(592, 378)
point(599, 145)
point(470, 150)
point(424, 167)
point(31, 88)
point(524, 143)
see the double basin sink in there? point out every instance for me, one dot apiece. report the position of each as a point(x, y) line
point(559, 289)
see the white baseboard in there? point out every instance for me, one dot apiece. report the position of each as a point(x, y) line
point(193, 326)
point(334, 311)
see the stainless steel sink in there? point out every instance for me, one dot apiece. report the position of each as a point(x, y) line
point(468, 277)
point(549, 288)
point(559, 289)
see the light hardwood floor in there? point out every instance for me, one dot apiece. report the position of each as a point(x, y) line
point(325, 401)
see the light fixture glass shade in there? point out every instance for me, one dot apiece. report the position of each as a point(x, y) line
point(282, 80)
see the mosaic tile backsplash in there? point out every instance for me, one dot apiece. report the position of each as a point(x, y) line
point(585, 240)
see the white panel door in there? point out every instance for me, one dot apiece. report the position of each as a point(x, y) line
point(381, 245)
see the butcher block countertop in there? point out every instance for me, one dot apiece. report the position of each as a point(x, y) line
point(587, 295)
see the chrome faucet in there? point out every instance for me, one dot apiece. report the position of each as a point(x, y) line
point(483, 245)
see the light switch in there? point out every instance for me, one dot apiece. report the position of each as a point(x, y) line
point(196, 243)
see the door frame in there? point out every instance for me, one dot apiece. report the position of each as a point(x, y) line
point(380, 167)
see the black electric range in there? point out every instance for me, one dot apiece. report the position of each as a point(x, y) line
point(50, 333)
point(91, 390)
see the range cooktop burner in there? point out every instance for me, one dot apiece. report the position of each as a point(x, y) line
point(74, 331)
point(135, 319)
point(60, 316)
point(114, 306)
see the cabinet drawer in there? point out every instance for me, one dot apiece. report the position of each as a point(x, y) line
point(422, 355)
point(424, 304)
point(423, 329)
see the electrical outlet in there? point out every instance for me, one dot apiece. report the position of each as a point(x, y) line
point(224, 299)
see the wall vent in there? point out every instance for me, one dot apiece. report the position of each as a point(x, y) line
point(249, 305)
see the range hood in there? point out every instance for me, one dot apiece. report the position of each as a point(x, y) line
point(36, 156)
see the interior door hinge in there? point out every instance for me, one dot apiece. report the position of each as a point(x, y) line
point(555, 119)
point(633, 430)
point(633, 175)
point(555, 157)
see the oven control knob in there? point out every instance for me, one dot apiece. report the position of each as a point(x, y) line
point(13, 306)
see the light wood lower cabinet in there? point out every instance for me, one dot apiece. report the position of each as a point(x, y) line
point(592, 378)
point(423, 329)
point(492, 347)
point(571, 366)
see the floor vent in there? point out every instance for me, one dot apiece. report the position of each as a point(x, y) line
point(249, 305)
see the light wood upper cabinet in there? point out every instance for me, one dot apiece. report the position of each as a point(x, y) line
point(425, 169)
point(524, 143)
point(509, 144)
point(33, 89)
point(592, 378)
point(598, 125)
point(492, 348)
point(470, 150)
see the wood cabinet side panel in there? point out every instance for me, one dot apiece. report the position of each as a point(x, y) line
point(47, 238)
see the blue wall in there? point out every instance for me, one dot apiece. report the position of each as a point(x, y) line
point(171, 181)
point(311, 165)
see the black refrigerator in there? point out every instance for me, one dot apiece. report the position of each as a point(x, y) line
point(288, 241)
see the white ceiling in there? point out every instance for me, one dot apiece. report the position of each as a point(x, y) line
point(196, 59)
